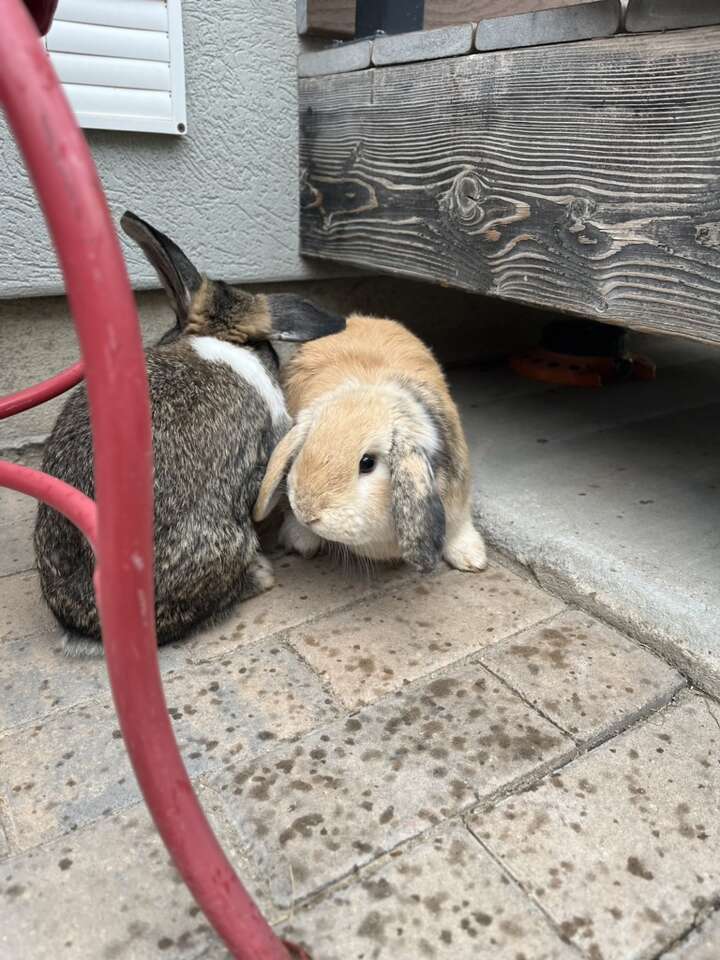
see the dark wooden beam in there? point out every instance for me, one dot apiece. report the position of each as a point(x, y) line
point(329, 18)
point(388, 17)
point(336, 18)
point(443, 13)
point(581, 177)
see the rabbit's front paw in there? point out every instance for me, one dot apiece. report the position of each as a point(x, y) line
point(260, 573)
point(298, 539)
point(466, 550)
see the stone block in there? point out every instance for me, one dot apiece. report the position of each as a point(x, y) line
point(421, 625)
point(646, 15)
point(444, 899)
point(72, 768)
point(583, 21)
point(423, 45)
point(37, 679)
point(701, 944)
point(314, 810)
point(108, 891)
point(355, 55)
point(304, 590)
point(622, 848)
point(24, 612)
point(584, 676)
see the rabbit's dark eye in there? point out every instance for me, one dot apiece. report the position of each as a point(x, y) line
point(367, 464)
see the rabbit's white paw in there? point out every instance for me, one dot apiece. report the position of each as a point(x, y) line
point(466, 549)
point(262, 573)
point(297, 538)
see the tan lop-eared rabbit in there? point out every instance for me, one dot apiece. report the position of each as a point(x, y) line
point(377, 458)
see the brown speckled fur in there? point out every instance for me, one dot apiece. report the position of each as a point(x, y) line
point(212, 436)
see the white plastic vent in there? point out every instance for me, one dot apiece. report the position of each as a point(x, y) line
point(121, 63)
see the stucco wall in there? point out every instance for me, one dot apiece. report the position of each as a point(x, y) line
point(227, 191)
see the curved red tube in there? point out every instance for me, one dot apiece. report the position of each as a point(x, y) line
point(101, 301)
point(74, 505)
point(47, 390)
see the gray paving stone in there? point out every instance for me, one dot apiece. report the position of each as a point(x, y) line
point(72, 768)
point(583, 21)
point(702, 944)
point(37, 679)
point(423, 45)
point(314, 810)
point(106, 892)
point(444, 898)
point(17, 519)
point(586, 677)
point(341, 59)
point(622, 849)
point(16, 535)
point(645, 15)
point(422, 625)
point(23, 611)
point(304, 590)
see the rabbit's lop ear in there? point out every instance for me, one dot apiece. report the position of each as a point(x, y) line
point(177, 274)
point(296, 320)
point(416, 506)
point(277, 470)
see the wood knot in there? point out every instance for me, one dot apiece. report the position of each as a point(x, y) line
point(335, 198)
point(708, 235)
point(470, 204)
point(579, 221)
point(310, 196)
point(462, 202)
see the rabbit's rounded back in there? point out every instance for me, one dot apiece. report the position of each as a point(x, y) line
point(377, 459)
point(217, 411)
point(369, 350)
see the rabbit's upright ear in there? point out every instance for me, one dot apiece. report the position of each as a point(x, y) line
point(416, 506)
point(276, 472)
point(179, 277)
point(297, 320)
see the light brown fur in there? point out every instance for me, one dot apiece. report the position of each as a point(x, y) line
point(197, 312)
point(372, 350)
point(374, 389)
point(245, 319)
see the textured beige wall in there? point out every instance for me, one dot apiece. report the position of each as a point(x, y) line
point(227, 191)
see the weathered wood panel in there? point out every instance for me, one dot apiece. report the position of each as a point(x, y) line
point(583, 177)
point(330, 18)
point(442, 13)
point(336, 18)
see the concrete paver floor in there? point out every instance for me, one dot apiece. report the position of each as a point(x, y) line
point(453, 766)
point(407, 767)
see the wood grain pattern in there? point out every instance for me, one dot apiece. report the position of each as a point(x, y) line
point(329, 18)
point(581, 177)
point(336, 18)
point(443, 13)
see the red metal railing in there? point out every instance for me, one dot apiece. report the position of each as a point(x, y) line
point(119, 524)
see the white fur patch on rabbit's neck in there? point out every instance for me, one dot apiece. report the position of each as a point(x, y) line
point(409, 413)
point(247, 366)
